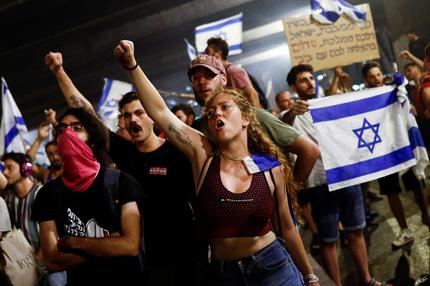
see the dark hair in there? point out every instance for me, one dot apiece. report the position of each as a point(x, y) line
point(294, 72)
point(19, 158)
point(412, 65)
point(368, 66)
point(219, 45)
point(187, 109)
point(410, 31)
point(52, 142)
point(97, 132)
point(127, 98)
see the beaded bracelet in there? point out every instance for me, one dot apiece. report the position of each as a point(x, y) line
point(132, 68)
point(310, 278)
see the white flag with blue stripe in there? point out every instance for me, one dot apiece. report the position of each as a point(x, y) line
point(113, 90)
point(229, 29)
point(13, 129)
point(366, 135)
point(329, 11)
point(191, 51)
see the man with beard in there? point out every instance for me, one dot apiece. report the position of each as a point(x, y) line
point(55, 168)
point(207, 74)
point(166, 177)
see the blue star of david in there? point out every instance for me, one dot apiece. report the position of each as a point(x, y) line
point(359, 132)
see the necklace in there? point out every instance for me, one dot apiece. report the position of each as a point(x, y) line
point(225, 157)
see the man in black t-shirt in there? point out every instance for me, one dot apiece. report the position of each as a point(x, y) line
point(84, 230)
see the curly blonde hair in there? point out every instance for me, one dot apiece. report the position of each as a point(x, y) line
point(259, 142)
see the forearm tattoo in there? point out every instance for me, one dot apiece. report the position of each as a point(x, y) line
point(78, 102)
point(180, 136)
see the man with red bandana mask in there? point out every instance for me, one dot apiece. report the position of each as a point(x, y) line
point(78, 232)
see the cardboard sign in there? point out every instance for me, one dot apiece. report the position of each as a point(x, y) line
point(326, 46)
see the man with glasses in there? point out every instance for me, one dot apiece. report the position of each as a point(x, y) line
point(86, 227)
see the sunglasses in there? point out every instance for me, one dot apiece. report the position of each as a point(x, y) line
point(75, 126)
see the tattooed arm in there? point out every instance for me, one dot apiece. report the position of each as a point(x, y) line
point(72, 95)
point(190, 141)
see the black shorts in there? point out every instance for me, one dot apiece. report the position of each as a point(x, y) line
point(391, 184)
point(410, 181)
point(304, 197)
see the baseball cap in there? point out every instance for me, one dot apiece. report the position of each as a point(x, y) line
point(207, 61)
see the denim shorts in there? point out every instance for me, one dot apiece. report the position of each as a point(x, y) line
point(270, 266)
point(328, 208)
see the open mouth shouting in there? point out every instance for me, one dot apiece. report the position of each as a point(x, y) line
point(219, 124)
point(134, 129)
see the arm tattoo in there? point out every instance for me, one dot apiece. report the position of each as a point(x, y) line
point(179, 135)
point(78, 102)
point(75, 101)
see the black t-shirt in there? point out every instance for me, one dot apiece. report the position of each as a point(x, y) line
point(167, 180)
point(417, 48)
point(88, 214)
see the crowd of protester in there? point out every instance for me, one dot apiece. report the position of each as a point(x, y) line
point(212, 199)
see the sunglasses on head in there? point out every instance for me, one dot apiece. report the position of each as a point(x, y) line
point(75, 126)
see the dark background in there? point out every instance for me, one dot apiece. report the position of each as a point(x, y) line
point(86, 33)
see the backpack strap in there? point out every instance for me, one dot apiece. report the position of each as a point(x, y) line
point(111, 192)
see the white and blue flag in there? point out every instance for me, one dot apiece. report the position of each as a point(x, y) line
point(229, 29)
point(113, 90)
point(191, 51)
point(366, 135)
point(13, 129)
point(329, 11)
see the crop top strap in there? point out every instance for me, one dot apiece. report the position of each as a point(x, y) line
point(203, 173)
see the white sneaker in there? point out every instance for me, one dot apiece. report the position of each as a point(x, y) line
point(403, 238)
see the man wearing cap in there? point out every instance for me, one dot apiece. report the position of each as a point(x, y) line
point(208, 74)
point(237, 77)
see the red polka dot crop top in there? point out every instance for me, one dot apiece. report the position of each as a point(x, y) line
point(226, 214)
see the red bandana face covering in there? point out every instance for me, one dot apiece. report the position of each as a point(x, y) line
point(80, 167)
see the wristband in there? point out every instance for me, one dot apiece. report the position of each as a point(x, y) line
point(132, 68)
point(310, 278)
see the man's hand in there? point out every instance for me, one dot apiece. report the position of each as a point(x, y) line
point(405, 54)
point(124, 52)
point(51, 116)
point(43, 131)
point(54, 61)
point(299, 107)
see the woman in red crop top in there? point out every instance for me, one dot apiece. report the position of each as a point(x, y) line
point(239, 202)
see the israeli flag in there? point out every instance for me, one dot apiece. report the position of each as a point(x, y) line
point(13, 129)
point(191, 51)
point(329, 11)
point(113, 90)
point(229, 29)
point(366, 135)
point(351, 11)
